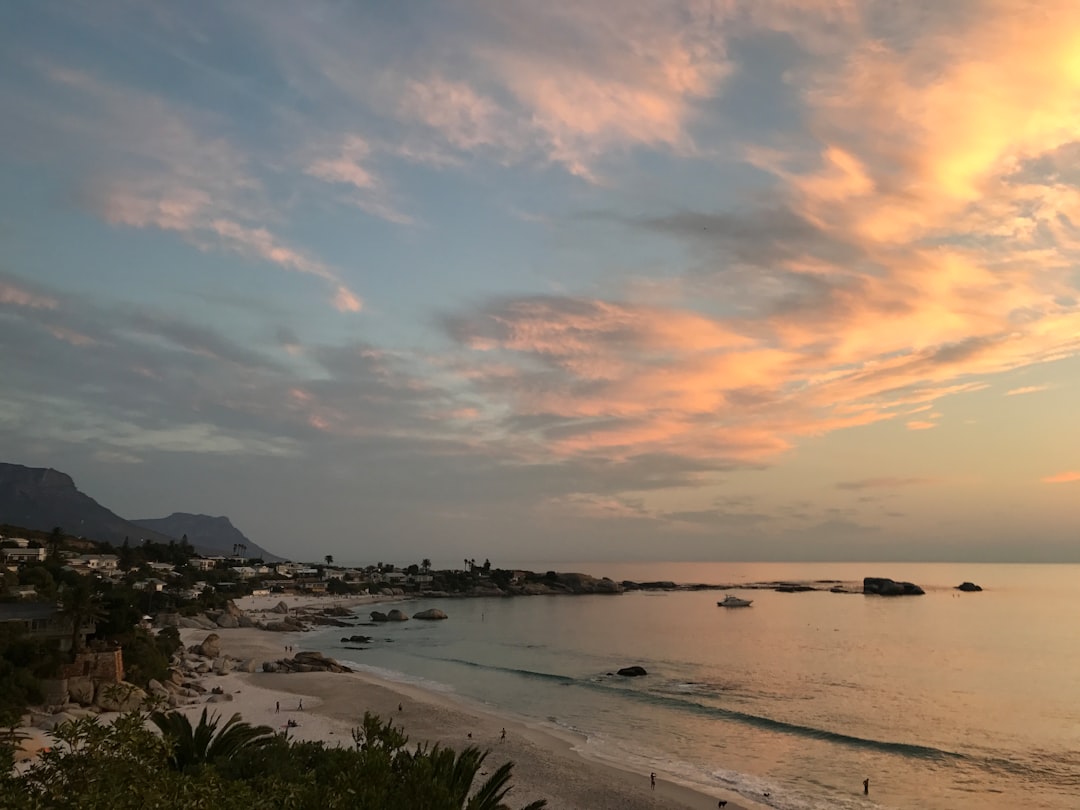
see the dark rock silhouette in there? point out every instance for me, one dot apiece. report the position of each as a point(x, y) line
point(882, 586)
point(632, 672)
point(209, 535)
point(970, 587)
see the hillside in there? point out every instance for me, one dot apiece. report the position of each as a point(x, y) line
point(42, 498)
point(209, 535)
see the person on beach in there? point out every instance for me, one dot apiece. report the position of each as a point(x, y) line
point(300, 706)
point(652, 779)
point(503, 735)
point(866, 787)
point(277, 706)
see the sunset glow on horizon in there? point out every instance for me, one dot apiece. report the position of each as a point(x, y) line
point(792, 279)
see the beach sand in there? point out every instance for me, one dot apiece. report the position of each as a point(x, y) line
point(548, 763)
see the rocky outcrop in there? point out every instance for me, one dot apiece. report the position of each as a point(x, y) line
point(632, 672)
point(307, 661)
point(396, 615)
point(431, 614)
point(882, 586)
point(970, 587)
point(280, 607)
point(356, 640)
point(210, 647)
point(119, 697)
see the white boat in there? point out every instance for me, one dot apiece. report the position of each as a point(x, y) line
point(734, 601)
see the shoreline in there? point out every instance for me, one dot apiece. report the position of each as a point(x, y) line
point(548, 763)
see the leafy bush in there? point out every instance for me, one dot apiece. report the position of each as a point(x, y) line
point(127, 767)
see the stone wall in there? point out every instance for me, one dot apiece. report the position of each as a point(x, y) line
point(105, 667)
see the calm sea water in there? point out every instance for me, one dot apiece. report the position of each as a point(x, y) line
point(947, 701)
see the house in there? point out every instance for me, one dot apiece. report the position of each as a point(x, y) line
point(18, 542)
point(42, 620)
point(22, 555)
point(97, 562)
point(163, 568)
point(202, 563)
point(151, 584)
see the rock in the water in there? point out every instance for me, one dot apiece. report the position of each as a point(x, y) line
point(431, 614)
point(970, 587)
point(211, 646)
point(632, 672)
point(882, 586)
point(356, 640)
point(377, 616)
point(396, 615)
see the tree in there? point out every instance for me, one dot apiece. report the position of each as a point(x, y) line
point(205, 744)
point(425, 564)
point(80, 605)
point(329, 559)
point(56, 539)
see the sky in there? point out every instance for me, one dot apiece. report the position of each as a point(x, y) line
point(582, 280)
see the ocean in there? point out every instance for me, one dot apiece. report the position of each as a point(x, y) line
point(948, 701)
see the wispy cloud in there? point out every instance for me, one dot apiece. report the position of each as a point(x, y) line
point(1062, 478)
point(886, 482)
point(1027, 389)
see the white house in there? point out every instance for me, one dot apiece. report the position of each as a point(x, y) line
point(98, 562)
point(202, 563)
point(17, 555)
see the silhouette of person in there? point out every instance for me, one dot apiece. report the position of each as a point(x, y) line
point(503, 736)
point(652, 778)
point(300, 706)
point(866, 787)
point(277, 706)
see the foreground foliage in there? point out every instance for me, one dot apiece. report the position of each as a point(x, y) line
point(128, 767)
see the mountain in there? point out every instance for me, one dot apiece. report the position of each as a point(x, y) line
point(42, 498)
point(209, 535)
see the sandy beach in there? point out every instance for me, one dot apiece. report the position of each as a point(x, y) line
point(548, 763)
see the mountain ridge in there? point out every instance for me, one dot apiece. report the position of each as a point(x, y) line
point(41, 498)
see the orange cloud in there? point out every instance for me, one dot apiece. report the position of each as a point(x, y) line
point(1062, 478)
point(1027, 389)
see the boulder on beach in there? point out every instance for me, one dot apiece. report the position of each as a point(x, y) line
point(227, 620)
point(430, 614)
point(396, 615)
point(119, 697)
point(210, 648)
point(378, 616)
point(280, 607)
point(970, 587)
point(883, 586)
point(632, 672)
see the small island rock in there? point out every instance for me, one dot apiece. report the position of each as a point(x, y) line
point(883, 586)
point(970, 587)
point(632, 672)
point(431, 614)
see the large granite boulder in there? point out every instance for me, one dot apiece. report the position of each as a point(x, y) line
point(379, 616)
point(396, 615)
point(970, 587)
point(431, 614)
point(280, 607)
point(81, 690)
point(882, 586)
point(119, 697)
point(228, 620)
point(306, 661)
point(632, 672)
point(210, 647)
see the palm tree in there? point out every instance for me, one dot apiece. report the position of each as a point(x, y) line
point(425, 565)
point(81, 606)
point(204, 743)
point(455, 773)
point(329, 559)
